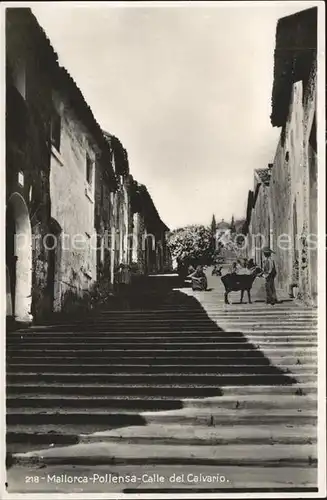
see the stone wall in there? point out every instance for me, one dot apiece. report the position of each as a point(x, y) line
point(139, 255)
point(123, 224)
point(103, 219)
point(294, 196)
point(68, 183)
point(260, 224)
point(72, 206)
point(28, 111)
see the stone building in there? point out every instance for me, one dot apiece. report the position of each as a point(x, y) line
point(79, 155)
point(54, 149)
point(121, 222)
point(260, 223)
point(68, 184)
point(293, 184)
point(106, 185)
point(150, 251)
point(246, 229)
point(28, 153)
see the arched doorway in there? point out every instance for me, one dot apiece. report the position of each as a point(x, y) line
point(18, 259)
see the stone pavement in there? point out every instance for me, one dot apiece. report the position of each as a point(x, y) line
point(185, 383)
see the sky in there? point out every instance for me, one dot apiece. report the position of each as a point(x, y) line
point(187, 89)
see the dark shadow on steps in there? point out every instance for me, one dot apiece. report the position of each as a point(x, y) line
point(101, 373)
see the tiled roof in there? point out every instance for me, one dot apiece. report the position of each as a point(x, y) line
point(264, 175)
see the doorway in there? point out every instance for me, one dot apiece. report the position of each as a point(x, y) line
point(18, 259)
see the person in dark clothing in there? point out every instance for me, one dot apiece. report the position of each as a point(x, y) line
point(269, 273)
point(199, 279)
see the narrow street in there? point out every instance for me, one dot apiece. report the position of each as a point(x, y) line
point(180, 383)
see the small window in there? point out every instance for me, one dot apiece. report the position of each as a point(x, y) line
point(89, 170)
point(55, 130)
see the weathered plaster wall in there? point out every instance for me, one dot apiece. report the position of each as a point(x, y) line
point(309, 274)
point(139, 255)
point(260, 224)
point(72, 205)
point(123, 223)
point(294, 197)
point(103, 211)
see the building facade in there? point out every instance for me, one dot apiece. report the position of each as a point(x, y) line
point(68, 185)
point(121, 237)
point(260, 226)
point(294, 174)
point(106, 185)
point(150, 251)
point(283, 205)
point(28, 129)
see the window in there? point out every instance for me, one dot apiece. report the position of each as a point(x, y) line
point(89, 170)
point(55, 130)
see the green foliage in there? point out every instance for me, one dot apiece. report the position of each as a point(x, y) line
point(191, 245)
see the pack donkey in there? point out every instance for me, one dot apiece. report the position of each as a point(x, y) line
point(240, 282)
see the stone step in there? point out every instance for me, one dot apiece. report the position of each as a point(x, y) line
point(123, 323)
point(186, 329)
point(114, 403)
point(191, 313)
point(225, 416)
point(197, 312)
point(116, 417)
point(77, 359)
point(219, 455)
point(204, 435)
point(85, 389)
point(273, 327)
point(208, 325)
point(178, 390)
point(153, 368)
point(142, 402)
point(254, 401)
point(169, 335)
point(246, 343)
point(221, 352)
point(167, 344)
point(275, 377)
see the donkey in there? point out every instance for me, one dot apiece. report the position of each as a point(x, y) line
point(240, 282)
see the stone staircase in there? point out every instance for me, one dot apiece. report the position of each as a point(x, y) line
point(179, 380)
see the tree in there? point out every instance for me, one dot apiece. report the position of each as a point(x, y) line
point(213, 225)
point(232, 225)
point(191, 245)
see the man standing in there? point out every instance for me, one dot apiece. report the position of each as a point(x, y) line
point(269, 273)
